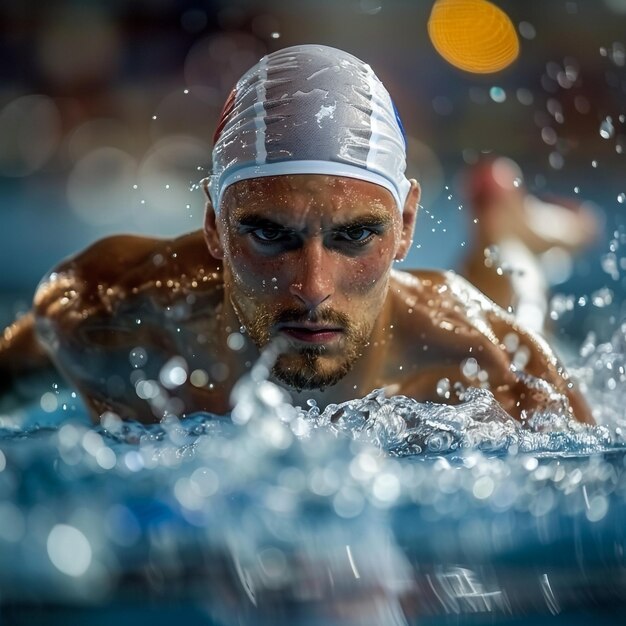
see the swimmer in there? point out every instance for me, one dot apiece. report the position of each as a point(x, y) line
point(517, 233)
point(307, 210)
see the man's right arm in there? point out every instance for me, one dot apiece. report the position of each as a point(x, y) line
point(68, 294)
point(20, 350)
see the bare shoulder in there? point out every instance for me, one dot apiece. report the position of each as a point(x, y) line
point(113, 257)
point(114, 268)
point(443, 292)
point(452, 316)
point(457, 322)
point(429, 281)
point(453, 304)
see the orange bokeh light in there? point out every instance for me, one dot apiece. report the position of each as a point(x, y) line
point(473, 35)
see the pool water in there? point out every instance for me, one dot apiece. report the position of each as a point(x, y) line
point(377, 511)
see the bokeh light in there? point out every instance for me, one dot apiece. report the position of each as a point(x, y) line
point(193, 112)
point(473, 35)
point(99, 186)
point(219, 60)
point(79, 44)
point(166, 178)
point(69, 550)
point(30, 128)
point(97, 133)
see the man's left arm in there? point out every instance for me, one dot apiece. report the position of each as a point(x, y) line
point(516, 358)
point(532, 358)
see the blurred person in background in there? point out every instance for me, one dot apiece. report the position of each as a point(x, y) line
point(517, 236)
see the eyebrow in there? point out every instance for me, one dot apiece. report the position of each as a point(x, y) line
point(254, 220)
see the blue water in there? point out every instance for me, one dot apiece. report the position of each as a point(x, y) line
point(378, 511)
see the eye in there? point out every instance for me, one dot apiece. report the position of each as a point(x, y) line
point(357, 234)
point(268, 234)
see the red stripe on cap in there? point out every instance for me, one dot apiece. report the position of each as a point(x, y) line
point(229, 105)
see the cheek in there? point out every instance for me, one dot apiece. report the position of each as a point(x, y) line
point(369, 273)
point(367, 279)
point(251, 272)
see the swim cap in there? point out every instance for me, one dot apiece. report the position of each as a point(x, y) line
point(309, 109)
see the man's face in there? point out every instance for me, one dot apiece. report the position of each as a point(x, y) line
point(308, 258)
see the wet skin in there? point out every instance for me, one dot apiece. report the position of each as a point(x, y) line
point(307, 258)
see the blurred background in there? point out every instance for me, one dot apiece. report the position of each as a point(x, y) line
point(108, 108)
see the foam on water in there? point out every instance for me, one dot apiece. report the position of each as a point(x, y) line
point(377, 499)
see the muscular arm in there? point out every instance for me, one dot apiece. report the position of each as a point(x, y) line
point(109, 273)
point(460, 323)
point(522, 356)
point(86, 309)
point(20, 351)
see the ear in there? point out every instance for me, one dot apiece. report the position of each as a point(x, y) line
point(211, 232)
point(409, 214)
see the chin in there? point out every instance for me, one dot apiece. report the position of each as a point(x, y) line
point(308, 372)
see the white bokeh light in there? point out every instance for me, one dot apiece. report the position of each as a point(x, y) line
point(99, 188)
point(165, 178)
point(69, 550)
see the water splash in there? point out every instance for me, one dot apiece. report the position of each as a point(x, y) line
point(285, 504)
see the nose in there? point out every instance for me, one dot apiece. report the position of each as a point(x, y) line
point(313, 277)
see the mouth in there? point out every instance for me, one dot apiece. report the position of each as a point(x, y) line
point(311, 333)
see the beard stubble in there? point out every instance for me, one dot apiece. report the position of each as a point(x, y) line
point(310, 367)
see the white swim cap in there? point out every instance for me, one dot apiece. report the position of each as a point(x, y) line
point(309, 109)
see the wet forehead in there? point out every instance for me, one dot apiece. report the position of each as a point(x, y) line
point(301, 197)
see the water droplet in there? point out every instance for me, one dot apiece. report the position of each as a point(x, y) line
point(483, 487)
point(443, 388)
point(621, 198)
point(601, 298)
point(497, 94)
point(173, 373)
point(235, 341)
point(469, 368)
point(556, 160)
point(138, 357)
point(582, 104)
point(549, 136)
point(199, 378)
point(48, 402)
point(617, 54)
point(275, 35)
point(527, 30)
point(606, 128)
point(524, 96)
